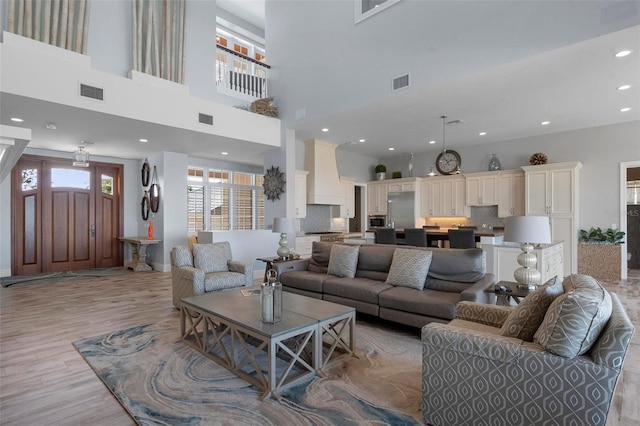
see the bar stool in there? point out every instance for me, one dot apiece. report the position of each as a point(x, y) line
point(386, 236)
point(415, 237)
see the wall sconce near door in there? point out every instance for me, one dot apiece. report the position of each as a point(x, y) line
point(80, 157)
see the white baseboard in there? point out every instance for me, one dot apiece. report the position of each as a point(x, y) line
point(5, 272)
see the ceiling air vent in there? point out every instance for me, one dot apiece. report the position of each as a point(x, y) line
point(91, 92)
point(205, 119)
point(401, 82)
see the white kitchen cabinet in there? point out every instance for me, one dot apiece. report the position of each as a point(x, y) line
point(301, 193)
point(511, 193)
point(376, 198)
point(304, 245)
point(552, 190)
point(444, 196)
point(482, 189)
point(502, 260)
point(402, 185)
point(348, 209)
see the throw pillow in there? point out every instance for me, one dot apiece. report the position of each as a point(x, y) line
point(525, 318)
point(409, 268)
point(211, 257)
point(574, 321)
point(343, 261)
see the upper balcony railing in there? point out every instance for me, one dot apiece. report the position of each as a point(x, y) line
point(240, 76)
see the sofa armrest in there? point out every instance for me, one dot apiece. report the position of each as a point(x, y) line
point(244, 268)
point(291, 265)
point(482, 313)
point(187, 281)
point(477, 293)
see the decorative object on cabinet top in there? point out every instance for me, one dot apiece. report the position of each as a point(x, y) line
point(494, 163)
point(274, 183)
point(538, 158)
point(381, 172)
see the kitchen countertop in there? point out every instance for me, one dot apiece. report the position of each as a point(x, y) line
point(481, 232)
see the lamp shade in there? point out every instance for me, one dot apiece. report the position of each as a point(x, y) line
point(283, 225)
point(527, 229)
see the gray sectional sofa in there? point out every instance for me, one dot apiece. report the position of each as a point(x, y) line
point(454, 275)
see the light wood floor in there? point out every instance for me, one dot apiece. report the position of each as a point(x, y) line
point(44, 381)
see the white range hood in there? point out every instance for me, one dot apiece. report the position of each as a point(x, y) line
point(323, 181)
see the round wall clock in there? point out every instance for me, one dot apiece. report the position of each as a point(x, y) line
point(274, 183)
point(448, 162)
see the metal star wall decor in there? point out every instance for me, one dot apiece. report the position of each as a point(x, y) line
point(274, 183)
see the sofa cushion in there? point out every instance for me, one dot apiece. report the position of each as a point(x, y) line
point(320, 254)
point(524, 319)
point(443, 285)
point(183, 256)
point(575, 319)
point(430, 303)
point(304, 280)
point(212, 257)
point(361, 289)
point(222, 280)
point(409, 268)
point(343, 261)
point(463, 265)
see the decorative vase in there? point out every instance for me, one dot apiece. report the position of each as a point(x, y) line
point(150, 230)
point(381, 175)
point(271, 299)
point(494, 163)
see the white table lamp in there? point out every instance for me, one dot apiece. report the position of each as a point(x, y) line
point(283, 225)
point(527, 230)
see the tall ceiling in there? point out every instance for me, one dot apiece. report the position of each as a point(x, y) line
point(572, 87)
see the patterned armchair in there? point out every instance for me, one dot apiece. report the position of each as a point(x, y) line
point(472, 373)
point(205, 268)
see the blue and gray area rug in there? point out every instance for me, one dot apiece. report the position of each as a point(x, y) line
point(161, 380)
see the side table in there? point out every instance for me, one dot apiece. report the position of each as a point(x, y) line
point(270, 261)
point(139, 252)
point(513, 292)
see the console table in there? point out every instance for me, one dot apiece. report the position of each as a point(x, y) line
point(139, 252)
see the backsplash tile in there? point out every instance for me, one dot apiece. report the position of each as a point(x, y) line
point(318, 219)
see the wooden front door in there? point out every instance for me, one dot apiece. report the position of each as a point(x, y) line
point(65, 218)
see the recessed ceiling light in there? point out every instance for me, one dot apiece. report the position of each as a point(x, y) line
point(391, 149)
point(144, 140)
point(432, 142)
point(325, 130)
point(624, 87)
point(362, 140)
point(482, 133)
point(17, 120)
point(51, 126)
point(623, 53)
point(545, 123)
point(224, 153)
point(627, 109)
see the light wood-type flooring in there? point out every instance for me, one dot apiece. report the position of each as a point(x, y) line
point(44, 381)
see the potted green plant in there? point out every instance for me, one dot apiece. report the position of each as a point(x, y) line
point(600, 253)
point(381, 172)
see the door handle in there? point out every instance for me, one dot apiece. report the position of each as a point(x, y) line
point(93, 230)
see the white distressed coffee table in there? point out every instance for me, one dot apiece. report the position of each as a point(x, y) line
point(225, 326)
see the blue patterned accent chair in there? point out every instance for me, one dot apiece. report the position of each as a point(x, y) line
point(477, 371)
point(205, 268)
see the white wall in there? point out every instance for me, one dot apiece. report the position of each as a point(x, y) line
point(5, 227)
point(599, 149)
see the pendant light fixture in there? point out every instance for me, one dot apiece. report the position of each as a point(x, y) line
point(80, 157)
